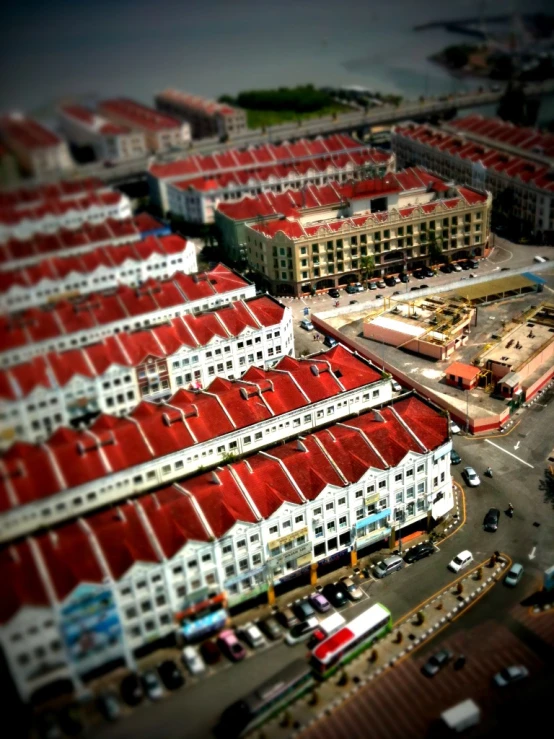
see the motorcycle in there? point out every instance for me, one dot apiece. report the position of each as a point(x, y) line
point(488, 472)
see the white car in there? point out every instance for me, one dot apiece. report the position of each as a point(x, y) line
point(307, 325)
point(461, 560)
point(509, 675)
point(456, 267)
point(454, 428)
point(359, 287)
point(193, 661)
point(472, 478)
point(396, 386)
point(251, 634)
point(301, 631)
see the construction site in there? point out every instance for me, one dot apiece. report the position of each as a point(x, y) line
point(481, 357)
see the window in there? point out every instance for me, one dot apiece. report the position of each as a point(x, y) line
point(286, 524)
point(420, 469)
point(382, 484)
point(273, 529)
point(410, 492)
point(243, 565)
point(329, 506)
point(227, 549)
point(420, 488)
point(146, 606)
point(398, 478)
point(342, 522)
point(241, 544)
point(299, 519)
point(317, 512)
point(131, 612)
point(318, 531)
point(399, 497)
point(370, 489)
point(229, 570)
point(207, 557)
point(435, 482)
point(359, 514)
point(342, 501)
point(442, 476)
point(255, 538)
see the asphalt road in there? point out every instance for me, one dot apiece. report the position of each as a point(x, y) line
point(518, 461)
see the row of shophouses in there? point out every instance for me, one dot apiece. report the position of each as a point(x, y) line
point(215, 497)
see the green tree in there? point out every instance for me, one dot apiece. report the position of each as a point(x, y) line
point(435, 249)
point(367, 265)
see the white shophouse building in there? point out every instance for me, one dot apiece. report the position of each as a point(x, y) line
point(72, 388)
point(87, 320)
point(68, 277)
point(237, 529)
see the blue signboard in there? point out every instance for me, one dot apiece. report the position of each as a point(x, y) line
point(374, 517)
point(90, 626)
point(204, 625)
point(306, 311)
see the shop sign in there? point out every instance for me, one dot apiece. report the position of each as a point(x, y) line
point(301, 551)
point(276, 543)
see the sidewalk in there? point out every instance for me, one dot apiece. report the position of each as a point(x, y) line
point(408, 634)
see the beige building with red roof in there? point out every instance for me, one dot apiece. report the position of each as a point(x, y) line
point(38, 150)
point(207, 118)
point(111, 142)
point(322, 244)
point(135, 570)
point(488, 154)
point(161, 131)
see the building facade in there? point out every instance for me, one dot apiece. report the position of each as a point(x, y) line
point(87, 320)
point(72, 388)
point(111, 143)
point(161, 132)
point(401, 221)
point(156, 444)
point(237, 531)
point(21, 253)
point(484, 166)
point(207, 118)
point(38, 150)
point(61, 278)
point(193, 187)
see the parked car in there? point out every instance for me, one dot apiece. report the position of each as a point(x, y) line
point(425, 549)
point(302, 631)
point(436, 663)
point(317, 636)
point(471, 477)
point(381, 284)
point(193, 661)
point(473, 263)
point(428, 272)
point(378, 297)
point(404, 277)
point(306, 325)
point(334, 293)
point(396, 386)
point(461, 560)
point(454, 457)
point(171, 675)
point(351, 590)
point(271, 628)
point(510, 675)
point(414, 288)
point(335, 595)
point(47, 726)
point(446, 268)
point(330, 341)
point(424, 287)
point(454, 428)
point(109, 707)
point(388, 565)
point(230, 645)
point(320, 602)
point(372, 286)
point(252, 635)
point(359, 287)
point(210, 652)
point(539, 260)
point(456, 267)
point(396, 292)
point(351, 290)
point(287, 618)
point(514, 575)
point(151, 685)
point(70, 720)
point(303, 609)
point(131, 690)
point(491, 520)
point(390, 281)
point(464, 265)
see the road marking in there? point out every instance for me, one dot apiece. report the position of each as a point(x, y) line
point(533, 555)
point(517, 446)
point(510, 454)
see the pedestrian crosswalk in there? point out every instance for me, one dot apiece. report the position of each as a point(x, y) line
point(403, 703)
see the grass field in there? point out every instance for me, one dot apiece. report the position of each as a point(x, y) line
point(265, 118)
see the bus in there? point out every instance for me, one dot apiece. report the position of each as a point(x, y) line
point(269, 698)
point(349, 641)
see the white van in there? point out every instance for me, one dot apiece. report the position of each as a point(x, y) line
point(539, 259)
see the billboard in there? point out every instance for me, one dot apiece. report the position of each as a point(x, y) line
point(90, 627)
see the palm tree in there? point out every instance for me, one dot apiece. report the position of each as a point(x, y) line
point(435, 249)
point(367, 265)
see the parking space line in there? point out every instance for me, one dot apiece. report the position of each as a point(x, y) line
point(509, 453)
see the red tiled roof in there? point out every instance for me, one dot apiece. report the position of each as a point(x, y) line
point(204, 105)
point(146, 222)
point(22, 583)
point(466, 371)
point(65, 317)
point(56, 268)
point(186, 419)
point(494, 159)
point(504, 132)
point(25, 196)
point(92, 121)
point(27, 133)
point(138, 115)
